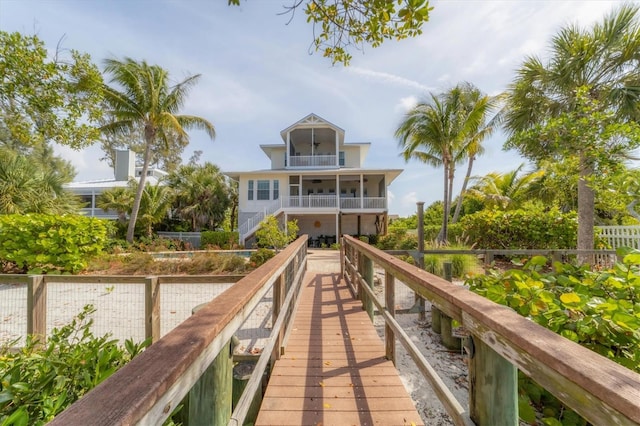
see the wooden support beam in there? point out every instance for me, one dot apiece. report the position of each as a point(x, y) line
point(37, 307)
point(367, 266)
point(390, 305)
point(152, 309)
point(493, 387)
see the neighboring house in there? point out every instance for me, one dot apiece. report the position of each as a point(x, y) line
point(125, 169)
point(318, 179)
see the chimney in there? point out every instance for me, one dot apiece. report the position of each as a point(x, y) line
point(125, 165)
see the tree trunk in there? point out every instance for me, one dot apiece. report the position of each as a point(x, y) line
point(586, 206)
point(136, 201)
point(467, 177)
point(442, 236)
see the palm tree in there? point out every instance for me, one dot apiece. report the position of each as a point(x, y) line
point(506, 190)
point(27, 186)
point(437, 132)
point(593, 71)
point(154, 206)
point(202, 194)
point(119, 199)
point(145, 100)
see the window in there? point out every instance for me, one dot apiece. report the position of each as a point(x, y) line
point(341, 158)
point(263, 190)
point(276, 189)
point(250, 192)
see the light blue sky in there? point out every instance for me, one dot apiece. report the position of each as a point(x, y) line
point(258, 76)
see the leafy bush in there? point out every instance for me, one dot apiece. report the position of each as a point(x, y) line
point(40, 243)
point(521, 229)
point(40, 381)
point(598, 310)
point(397, 239)
point(270, 235)
point(260, 256)
point(224, 240)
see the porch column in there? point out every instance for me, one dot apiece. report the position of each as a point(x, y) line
point(337, 227)
point(361, 193)
point(337, 163)
point(288, 150)
point(338, 194)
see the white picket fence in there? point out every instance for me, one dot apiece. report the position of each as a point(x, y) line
point(621, 236)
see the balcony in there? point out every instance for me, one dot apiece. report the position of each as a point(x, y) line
point(313, 161)
point(331, 202)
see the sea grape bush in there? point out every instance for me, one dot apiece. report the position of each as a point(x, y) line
point(520, 229)
point(597, 309)
point(40, 243)
point(40, 381)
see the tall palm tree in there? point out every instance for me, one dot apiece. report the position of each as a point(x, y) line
point(598, 68)
point(144, 99)
point(436, 132)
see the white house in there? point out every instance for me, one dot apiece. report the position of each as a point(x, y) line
point(125, 169)
point(318, 179)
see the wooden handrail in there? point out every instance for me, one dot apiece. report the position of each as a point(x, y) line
point(146, 390)
point(597, 388)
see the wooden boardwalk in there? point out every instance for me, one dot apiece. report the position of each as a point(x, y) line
point(334, 371)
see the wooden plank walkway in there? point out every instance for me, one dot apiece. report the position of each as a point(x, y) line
point(334, 371)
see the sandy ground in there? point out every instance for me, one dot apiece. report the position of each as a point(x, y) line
point(120, 312)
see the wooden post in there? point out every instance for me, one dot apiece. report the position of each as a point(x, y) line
point(390, 304)
point(210, 398)
point(361, 293)
point(278, 298)
point(435, 319)
point(368, 276)
point(493, 387)
point(37, 307)
point(420, 261)
point(448, 339)
point(488, 260)
point(152, 308)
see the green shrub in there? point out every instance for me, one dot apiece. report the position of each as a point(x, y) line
point(433, 264)
point(39, 382)
point(40, 243)
point(260, 256)
point(597, 309)
point(521, 229)
point(225, 240)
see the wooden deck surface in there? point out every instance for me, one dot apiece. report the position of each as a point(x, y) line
point(334, 371)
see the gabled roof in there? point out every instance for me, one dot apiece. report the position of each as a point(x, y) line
point(312, 121)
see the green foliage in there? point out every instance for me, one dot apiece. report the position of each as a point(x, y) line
point(397, 239)
point(202, 195)
point(46, 96)
point(599, 310)
point(143, 98)
point(260, 256)
point(270, 235)
point(520, 229)
point(40, 381)
point(224, 240)
point(40, 243)
point(31, 184)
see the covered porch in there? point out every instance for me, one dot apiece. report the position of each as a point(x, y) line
point(325, 229)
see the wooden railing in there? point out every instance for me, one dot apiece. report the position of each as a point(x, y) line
point(500, 343)
point(153, 384)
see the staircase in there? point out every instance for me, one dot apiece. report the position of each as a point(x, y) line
point(249, 227)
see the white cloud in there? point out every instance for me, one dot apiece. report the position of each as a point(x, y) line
point(406, 103)
point(388, 78)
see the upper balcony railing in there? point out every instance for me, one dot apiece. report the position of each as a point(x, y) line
point(331, 201)
point(313, 161)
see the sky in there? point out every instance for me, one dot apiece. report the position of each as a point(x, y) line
point(259, 73)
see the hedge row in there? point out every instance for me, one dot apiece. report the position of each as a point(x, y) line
point(40, 243)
